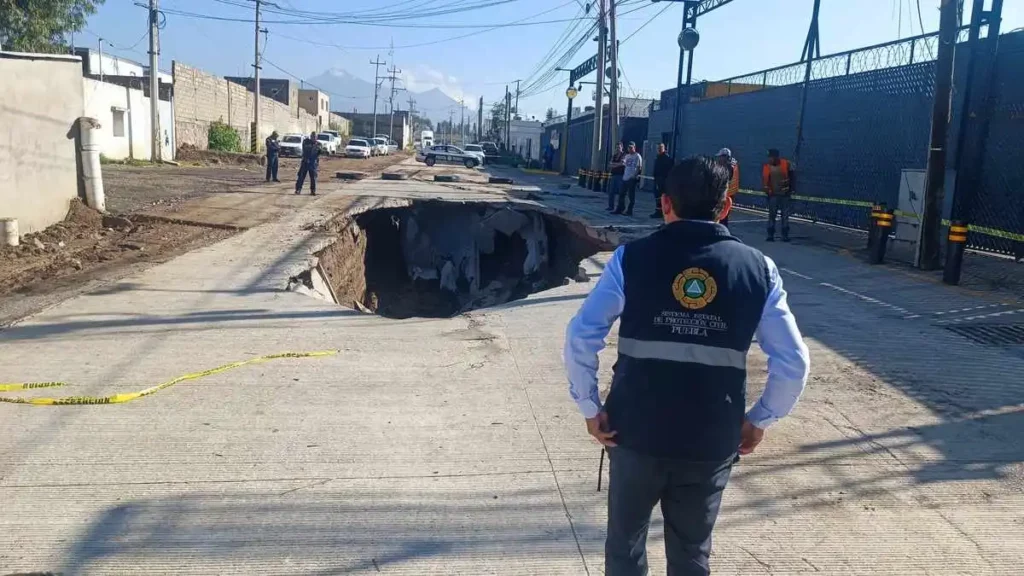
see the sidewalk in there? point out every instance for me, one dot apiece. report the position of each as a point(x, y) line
point(451, 446)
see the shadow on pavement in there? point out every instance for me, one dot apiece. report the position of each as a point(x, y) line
point(318, 530)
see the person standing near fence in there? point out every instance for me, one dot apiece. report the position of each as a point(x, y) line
point(634, 166)
point(689, 299)
point(778, 177)
point(310, 164)
point(662, 165)
point(273, 154)
point(617, 168)
point(726, 159)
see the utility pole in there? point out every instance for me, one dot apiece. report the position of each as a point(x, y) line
point(376, 88)
point(155, 153)
point(412, 121)
point(256, 86)
point(928, 253)
point(480, 120)
point(595, 149)
point(462, 120)
point(812, 50)
point(99, 46)
point(613, 103)
point(508, 120)
point(391, 101)
point(503, 129)
point(517, 100)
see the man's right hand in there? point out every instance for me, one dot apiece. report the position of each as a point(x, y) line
point(598, 428)
point(750, 437)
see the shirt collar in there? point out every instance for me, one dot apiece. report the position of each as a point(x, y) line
point(698, 229)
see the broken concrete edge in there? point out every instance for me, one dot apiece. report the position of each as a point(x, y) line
point(394, 176)
point(446, 178)
point(166, 219)
point(499, 180)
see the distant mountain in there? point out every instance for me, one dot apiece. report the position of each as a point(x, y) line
point(350, 92)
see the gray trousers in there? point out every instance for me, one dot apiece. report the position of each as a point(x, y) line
point(690, 494)
point(778, 205)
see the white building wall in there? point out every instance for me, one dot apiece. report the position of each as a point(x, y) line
point(116, 66)
point(40, 104)
point(124, 117)
point(525, 138)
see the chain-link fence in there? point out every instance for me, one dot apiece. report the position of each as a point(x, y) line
point(865, 138)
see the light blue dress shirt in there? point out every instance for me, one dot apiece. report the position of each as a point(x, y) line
point(777, 334)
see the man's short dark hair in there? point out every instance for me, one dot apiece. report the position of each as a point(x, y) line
point(773, 152)
point(697, 188)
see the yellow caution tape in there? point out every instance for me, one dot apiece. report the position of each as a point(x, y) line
point(859, 203)
point(129, 396)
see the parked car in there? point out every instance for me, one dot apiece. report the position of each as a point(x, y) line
point(291, 145)
point(447, 154)
point(381, 145)
point(327, 142)
point(476, 150)
point(490, 148)
point(358, 148)
point(337, 136)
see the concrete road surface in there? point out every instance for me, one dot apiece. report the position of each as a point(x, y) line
point(451, 446)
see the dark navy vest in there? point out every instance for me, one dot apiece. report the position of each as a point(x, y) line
point(694, 295)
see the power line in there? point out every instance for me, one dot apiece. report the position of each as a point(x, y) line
point(644, 25)
point(315, 18)
point(519, 22)
point(454, 26)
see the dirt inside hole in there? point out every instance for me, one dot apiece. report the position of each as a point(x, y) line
point(436, 259)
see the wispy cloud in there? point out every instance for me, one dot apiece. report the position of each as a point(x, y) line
point(422, 78)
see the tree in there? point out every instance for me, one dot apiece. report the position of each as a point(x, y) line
point(497, 121)
point(42, 25)
point(550, 114)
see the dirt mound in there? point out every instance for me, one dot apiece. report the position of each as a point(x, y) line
point(86, 239)
point(191, 154)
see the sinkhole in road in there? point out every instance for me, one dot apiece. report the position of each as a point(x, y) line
point(437, 259)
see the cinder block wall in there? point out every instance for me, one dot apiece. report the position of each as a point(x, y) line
point(200, 98)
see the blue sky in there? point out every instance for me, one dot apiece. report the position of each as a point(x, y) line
point(744, 36)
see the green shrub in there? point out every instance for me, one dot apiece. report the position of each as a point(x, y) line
point(224, 138)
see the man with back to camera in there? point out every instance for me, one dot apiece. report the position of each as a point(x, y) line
point(690, 297)
point(310, 164)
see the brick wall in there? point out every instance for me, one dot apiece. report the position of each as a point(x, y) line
point(201, 98)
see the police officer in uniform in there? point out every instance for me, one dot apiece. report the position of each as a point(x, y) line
point(690, 298)
point(310, 164)
point(273, 155)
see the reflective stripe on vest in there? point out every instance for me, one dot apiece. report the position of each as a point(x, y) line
point(734, 182)
point(683, 352)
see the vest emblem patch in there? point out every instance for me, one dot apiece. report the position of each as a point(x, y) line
point(694, 288)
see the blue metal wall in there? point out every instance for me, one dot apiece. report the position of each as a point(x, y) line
point(860, 131)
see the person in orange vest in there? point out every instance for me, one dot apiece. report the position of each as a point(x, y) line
point(778, 176)
point(724, 157)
